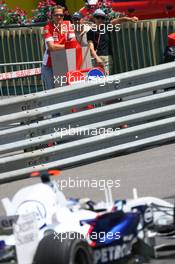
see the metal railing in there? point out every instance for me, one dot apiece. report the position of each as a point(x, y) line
point(20, 78)
point(135, 46)
point(113, 83)
point(21, 49)
point(34, 137)
point(141, 45)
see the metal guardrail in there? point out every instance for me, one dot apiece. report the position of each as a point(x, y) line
point(33, 135)
point(29, 127)
point(30, 115)
point(113, 83)
point(90, 156)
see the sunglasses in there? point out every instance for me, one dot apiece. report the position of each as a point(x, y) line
point(100, 17)
point(59, 15)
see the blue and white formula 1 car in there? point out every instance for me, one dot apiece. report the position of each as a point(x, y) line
point(43, 227)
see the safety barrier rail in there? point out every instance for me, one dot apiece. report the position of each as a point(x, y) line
point(111, 83)
point(40, 131)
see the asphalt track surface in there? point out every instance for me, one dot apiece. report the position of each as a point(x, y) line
point(151, 171)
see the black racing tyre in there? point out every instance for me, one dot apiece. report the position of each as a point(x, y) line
point(71, 250)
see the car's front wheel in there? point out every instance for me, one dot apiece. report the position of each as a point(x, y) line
point(63, 249)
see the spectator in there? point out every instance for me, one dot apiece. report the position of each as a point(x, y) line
point(100, 42)
point(56, 33)
point(169, 54)
point(80, 28)
point(89, 8)
point(62, 3)
point(67, 15)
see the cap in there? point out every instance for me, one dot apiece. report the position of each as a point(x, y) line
point(92, 2)
point(99, 12)
point(77, 15)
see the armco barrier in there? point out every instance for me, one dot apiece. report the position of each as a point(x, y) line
point(33, 138)
point(113, 83)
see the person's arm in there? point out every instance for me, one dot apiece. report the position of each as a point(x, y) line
point(53, 47)
point(92, 50)
point(49, 40)
point(121, 20)
point(94, 54)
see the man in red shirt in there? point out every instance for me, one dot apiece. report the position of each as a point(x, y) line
point(56, 33)
point(88, 10)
